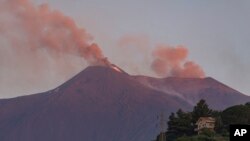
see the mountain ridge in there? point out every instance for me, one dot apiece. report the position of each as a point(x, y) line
point(86, 106)
point(99, 103)
point(194, 89)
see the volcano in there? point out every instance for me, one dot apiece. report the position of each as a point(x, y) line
point(108, 104)
point(218, 95)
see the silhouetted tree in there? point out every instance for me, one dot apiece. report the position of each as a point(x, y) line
point(239, 114)
point(179, 124)
point(201, 110)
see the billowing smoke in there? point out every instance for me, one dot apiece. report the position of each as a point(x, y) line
point(172, 61)
point(161, 60)
point(40, 48)
point(40, 28)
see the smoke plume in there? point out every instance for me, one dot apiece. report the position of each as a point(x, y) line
point(40, 28)
point(40, 48)
point(172, 61)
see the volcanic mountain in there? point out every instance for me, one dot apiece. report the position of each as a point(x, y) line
point(217, 95)
point(106, 103)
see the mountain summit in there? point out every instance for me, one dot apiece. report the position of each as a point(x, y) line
point(105, 103)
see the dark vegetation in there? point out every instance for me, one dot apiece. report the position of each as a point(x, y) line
point(181, 125)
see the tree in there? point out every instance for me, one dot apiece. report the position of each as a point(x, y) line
point(183, 123)
point(247, 104)
point(239, 114)
point(202, 138)
point(219, 126)
point(172, 133)
point(179, 124)
point(201, 110)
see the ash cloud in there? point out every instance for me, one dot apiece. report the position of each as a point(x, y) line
point(140, 56)
point(40, 28)
point(172, 61)
point(41, 48)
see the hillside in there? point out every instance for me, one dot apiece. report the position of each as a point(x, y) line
point(105, 103)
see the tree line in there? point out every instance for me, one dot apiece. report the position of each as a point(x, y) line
point(181, 125)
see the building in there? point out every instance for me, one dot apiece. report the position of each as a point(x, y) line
point(205, 123)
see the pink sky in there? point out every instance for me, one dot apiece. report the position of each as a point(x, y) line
point(215, 33)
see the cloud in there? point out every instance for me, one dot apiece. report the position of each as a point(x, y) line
point(172, 61)
point(41, 48)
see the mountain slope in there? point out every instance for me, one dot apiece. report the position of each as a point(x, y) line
point(106, 103)
point(217, 95)
point(99, 103)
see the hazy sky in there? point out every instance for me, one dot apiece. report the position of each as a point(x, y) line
point(216, 32)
